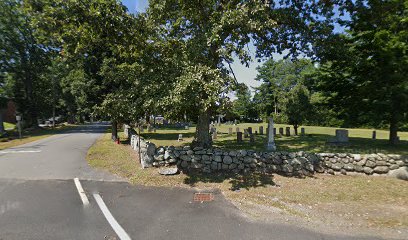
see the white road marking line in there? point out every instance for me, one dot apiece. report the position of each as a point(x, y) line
point(81, 192)
point(114, 224)
point(21, 151)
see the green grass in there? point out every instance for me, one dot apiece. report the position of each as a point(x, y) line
point(382, 201)
point(314, 140)
point(9, 125)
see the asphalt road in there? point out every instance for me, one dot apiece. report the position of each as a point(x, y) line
point(39, 200)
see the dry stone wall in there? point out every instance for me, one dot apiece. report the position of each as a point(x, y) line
point(286, 163)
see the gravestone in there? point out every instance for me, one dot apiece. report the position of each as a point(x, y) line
point(229, 130)
point(260, 130)
point(374, 134)
point(214, 135)
point(239, 137)
point(302, 131)
point(270, 146)
point(281, 131)
point(213, 130)
point(251, 138)
point(245, 133)
point(288, 131)
point(250, 130)
point(180, 138)
point(186, 127)
point(340, 138)
point(342, 135)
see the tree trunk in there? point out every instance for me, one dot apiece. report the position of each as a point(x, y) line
point(393, 130)
point(295, 126)
point(202, 136)
point(114, 130)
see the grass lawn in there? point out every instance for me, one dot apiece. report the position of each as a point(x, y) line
point(30, 136)
point(9, 125)
point(314, 141)
point(376, 202)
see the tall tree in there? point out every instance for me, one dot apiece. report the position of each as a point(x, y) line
point(280, 77)
point(22, 59)
point(366, 72)
point(243, 105)
point(297, 106)
point(208, 33)
point(91, 33)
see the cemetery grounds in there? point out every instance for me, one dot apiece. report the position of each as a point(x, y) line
point(357, 205)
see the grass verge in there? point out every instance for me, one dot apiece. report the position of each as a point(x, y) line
point(364, 201)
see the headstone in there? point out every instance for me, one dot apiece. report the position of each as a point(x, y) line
point(237, 129)
point(246, 133)
point(260, 130)
point(251, 138)
point(342, 135)
point(374, 134)
point(213, 130)
point(287, 131)
point(250, 130)
point(186, 127)
point(302, 131)
point(270, 146)
point(230, 130)
point(239, 137)
point(214, 135)
point(340, 138)
point(180, 138)
point(281, 131)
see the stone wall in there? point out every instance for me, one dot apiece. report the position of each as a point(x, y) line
point(286, 163)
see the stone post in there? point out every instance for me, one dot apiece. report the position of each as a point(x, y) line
point(288, 131)
point(281, 131)
point(229, 130)
point(270, 146)
point(239, 137)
